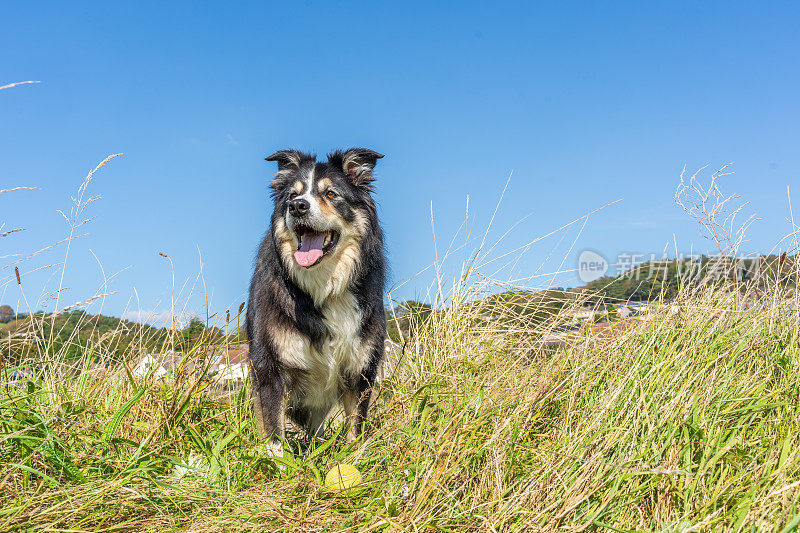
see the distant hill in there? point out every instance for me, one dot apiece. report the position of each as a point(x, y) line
point(652, 280)
point(75, 332)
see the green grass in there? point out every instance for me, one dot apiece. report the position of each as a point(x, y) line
point(681, 422)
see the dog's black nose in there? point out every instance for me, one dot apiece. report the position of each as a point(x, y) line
point(299, 207)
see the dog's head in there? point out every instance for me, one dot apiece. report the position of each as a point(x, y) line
point(321, 209)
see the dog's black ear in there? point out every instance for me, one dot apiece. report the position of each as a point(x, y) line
point(286, 159)
point(357, 163)
point(288, 162)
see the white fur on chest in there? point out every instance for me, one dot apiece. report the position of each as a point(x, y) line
point(343, 319)
point(342, 353)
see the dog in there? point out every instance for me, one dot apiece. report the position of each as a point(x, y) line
point(315, 316)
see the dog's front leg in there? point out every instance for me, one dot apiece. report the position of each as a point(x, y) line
point(269, 401)
point(357, 397)
point(356, 404)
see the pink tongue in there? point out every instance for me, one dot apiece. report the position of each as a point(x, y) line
point(310, 249)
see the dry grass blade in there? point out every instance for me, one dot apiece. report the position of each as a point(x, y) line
point(19, 189)
point(10, 85)
point(9, 232)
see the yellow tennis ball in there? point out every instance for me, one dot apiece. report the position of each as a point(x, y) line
point(342, 477)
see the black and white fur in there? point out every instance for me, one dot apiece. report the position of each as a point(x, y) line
point(317, 332)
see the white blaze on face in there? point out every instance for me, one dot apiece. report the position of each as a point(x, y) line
point(314, 218)
point(314, 212)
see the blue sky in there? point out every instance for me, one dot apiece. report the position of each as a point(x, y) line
point(586, 103)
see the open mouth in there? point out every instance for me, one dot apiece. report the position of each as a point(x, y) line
point(314, 245)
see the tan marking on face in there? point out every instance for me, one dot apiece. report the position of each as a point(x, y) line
point(360, 226)
point(284, 235)
point(323, 185)
point(297, 187)
point(328, 210)
point(287, 242)
point(324, 205)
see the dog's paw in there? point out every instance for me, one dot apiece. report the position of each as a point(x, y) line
point(272, 450)
point(275, 450)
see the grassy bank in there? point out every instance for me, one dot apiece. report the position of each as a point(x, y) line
point(684, 420)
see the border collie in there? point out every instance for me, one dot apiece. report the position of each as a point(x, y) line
point(315, 317)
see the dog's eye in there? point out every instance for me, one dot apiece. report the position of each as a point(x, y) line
point(293, 196)
point(331, 194)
